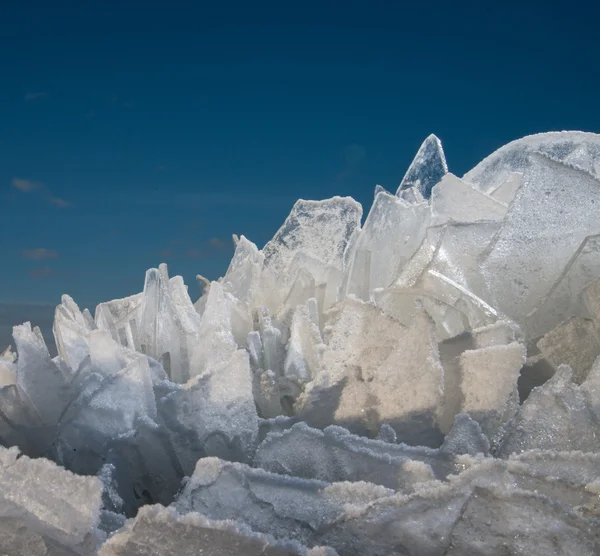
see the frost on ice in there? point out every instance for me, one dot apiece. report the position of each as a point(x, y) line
point(424, 383)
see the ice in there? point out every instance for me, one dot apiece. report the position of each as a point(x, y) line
point(242, 279)
point(70, 331)
point(319, 229)
point(303, 357)
point(575, 342)
point(376, 371)
point(520, 523)
point(169, 325)
point(498, 334)
point(517, 268)
point(507, 190)
point(283, 507)
point(216, 342)
point(428, 383)
point(334, 455)
point(488, 384)
point(517, 156)
point(465, 437)
point(428, 168)
point(454, 200)
point(41, 383)
point(50, 507)
point(392, 233)
point(591, 298)
point(555, 416)
point(565, 298)
point(214, 413)
point(157, 531)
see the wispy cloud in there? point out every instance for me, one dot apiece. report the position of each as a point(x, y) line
point(218, 243)
point(28, 186)
point(194, 253)
point(42, 272)
point(29, 97)
point(40, 254)
point(165, 253)
point(57, 202)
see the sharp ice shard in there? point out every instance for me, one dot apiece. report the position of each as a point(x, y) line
point(428, 168)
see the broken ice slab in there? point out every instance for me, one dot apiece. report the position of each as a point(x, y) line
point(555, 416)
point(121, 318)
point(303, 288)
point(305, 346)
point(567, 297)
point(411, 195)
point(20, 425)
point(567, 146)
point(104, 408)
point(454, 200)
point(242, 278)
point(70, 331)
point(499, 333)
point(457, 255)
point(141, 467)
point(157, 531)
point(214, 413)
point(393, 231)
point(465, 437)
point(319, 229)
point(395, 526)
point(518, 270)
point(507, 190)
point(49, 502)
point(427, 168)
point(423, 522)
point(222, 322)
point(573, 467)
point(520, 522)
point(417, 264)
point(575, 342)
point(8, 370)
point(335, 455)
point(285, 507)
point(324, 278)
point(488, 384)
point(168, 323)
point(41, 383)
point(376, 371)
point(591, 299)
point(17, 539)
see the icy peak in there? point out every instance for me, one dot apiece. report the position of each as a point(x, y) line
point(427, 168)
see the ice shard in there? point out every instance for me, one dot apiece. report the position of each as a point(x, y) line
point(428, 168)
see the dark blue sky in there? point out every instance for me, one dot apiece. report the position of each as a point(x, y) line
point(132, 133)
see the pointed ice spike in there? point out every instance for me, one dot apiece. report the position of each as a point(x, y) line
point(428, 167)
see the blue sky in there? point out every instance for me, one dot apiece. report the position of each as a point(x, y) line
point(135, 133)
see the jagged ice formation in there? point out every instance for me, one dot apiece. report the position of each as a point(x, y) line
point(427, 383)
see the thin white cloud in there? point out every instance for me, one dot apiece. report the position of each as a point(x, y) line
point(40, 254)
point(218, 243)
point(26, 186)
point(29, 97)
point(60, 203)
